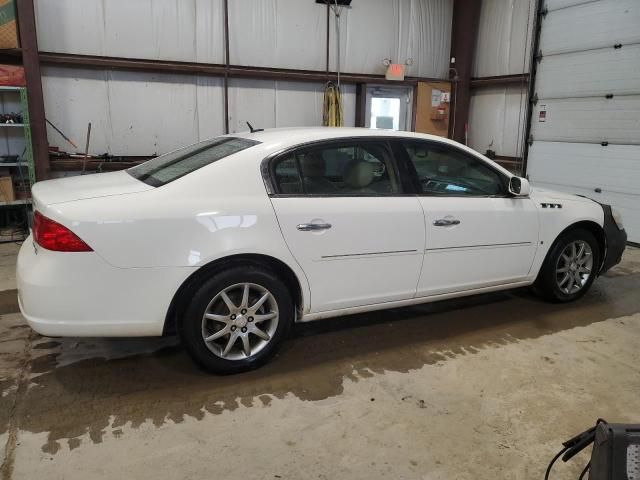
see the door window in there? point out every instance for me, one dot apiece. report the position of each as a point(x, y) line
point(447, 171)
point(348, 169)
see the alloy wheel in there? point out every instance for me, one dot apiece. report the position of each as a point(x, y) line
point(574, 267)
point(240, 321)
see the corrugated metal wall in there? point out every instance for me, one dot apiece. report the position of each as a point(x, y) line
point(143, 113)
point(497, 115)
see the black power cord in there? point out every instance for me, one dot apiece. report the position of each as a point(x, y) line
point(574, 446)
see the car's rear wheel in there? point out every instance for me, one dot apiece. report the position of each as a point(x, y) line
point(237, 319)
point(570, 267)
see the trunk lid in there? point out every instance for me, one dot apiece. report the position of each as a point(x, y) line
point(61, 190)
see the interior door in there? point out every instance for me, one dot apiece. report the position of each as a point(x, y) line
point(389, 107)
point(344, 217)
point(477, 235)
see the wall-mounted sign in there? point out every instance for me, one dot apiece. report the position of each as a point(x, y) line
point(542, 114)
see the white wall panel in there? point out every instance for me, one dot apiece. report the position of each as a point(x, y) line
point(270, 33)
point(269, 104)
point(497, 120)
point(504, 37)
point(428, 39)
point(593, 72)
point(131, 113)
point(373, 30)
point(183, 30)
point(593, 25)
point(615, 120)
point(277, 33)
point(142, 114)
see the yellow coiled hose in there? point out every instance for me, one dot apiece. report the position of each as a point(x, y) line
point(332, 108)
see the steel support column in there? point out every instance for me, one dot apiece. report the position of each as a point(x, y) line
point(31, 63)
point(464, 34)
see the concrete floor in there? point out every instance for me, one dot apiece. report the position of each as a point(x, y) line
point(481, 388)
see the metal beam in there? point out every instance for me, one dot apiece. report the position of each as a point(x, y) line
point(361, 104)
point(226, 66)
point(533, 68)
point(500, 80)
point(464, 33)
point(194, 68)
point(31, 64)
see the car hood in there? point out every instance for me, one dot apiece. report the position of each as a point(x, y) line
point(542, 194)
point(61, 190)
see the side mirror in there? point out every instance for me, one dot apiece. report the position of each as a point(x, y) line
point(519, 187)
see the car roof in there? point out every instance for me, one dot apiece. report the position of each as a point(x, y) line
point(286, 137)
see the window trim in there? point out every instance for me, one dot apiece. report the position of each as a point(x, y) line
point(400, 151)
point(267, 168)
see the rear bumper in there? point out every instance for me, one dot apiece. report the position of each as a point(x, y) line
point(616, 241)
point(80, 295)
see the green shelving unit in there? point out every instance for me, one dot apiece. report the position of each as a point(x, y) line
point(23, 169)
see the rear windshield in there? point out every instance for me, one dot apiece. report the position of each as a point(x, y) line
point(166, 168)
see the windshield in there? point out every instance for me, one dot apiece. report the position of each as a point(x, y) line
point(166, 168)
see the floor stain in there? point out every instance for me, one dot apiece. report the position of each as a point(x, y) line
point(8, 301)
point(96, 395)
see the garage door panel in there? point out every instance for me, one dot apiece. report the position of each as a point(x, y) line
point(578, 69)
point(612, 169)
point(615, 120)
point(594, 72)
point(591, 25)
point(552, 5)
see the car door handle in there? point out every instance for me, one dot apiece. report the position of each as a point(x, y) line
point(313, 227)
point(446, 222)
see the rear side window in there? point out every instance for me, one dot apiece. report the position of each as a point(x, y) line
point(166, 168)
point(351, 169)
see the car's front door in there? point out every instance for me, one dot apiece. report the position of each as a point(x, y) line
point(347, 222)
point(477, 234)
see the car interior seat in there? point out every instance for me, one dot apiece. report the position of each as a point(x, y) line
point(358, 176)
point(314, 168)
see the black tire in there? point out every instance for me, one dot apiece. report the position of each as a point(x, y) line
point(547, 283)
point(191, 325)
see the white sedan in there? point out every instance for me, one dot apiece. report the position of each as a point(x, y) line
point(229, 241)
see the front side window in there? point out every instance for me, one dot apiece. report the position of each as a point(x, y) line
point(349, 169)
point(447, 171)
point(166, 168)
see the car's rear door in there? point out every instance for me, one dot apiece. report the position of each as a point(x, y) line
point(477, 234)
point(347, 220)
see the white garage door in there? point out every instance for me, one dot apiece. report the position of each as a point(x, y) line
point(586, 123)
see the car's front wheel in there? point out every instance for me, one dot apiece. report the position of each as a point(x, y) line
point(570, 267)
point(237, 319)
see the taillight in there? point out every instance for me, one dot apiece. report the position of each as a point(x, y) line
point(53, 236)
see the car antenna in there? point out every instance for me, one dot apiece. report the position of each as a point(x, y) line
point(253, 130)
